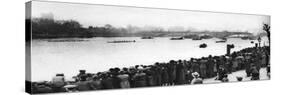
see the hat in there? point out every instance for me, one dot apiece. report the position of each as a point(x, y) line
point(195, 74)
point(140, 68)
point(83, 71)
point(60, 74)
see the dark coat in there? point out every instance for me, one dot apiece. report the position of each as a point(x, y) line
point(180, 74)
point(165, 76)
point(140, 80)
point(107, 83)
point(84, 86)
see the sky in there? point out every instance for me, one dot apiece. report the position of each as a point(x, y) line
point(120, 16)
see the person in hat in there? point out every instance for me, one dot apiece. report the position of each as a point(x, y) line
point(210, 67)
point(83, 84)
point(165, 76)
point(229, 64)
point(58, 82)
point(124, 80)
point(196, 78)
point(81, 73)
point(157, 74)
point(150, 77)
point(106, 81)
point(180, 73)
point(268, 70)
point(247, 65)
point(188, 77)
point(221, 72)
point(203, 68)
point(96, 82)
point(140, 79)
point(235, 64)
point(254, 73)
point(115, 80)
point(195, 66)
point(172, 72)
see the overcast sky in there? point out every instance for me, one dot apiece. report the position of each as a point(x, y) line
point(99, 15)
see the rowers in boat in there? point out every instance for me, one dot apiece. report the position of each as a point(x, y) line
point(180, 38)
point(123, 41)
point(223, 40)
point(147, 37)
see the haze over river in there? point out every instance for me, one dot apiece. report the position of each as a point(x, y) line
point(95, 54)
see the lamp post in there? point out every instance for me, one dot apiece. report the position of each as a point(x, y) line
point(259, 40)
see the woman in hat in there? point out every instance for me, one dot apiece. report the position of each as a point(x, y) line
point(96, 82)
point(106, 81)
point(124, 83)
point(196, 78)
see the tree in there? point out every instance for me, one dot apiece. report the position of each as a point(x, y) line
point(46, 28)
point(266, 28)
point(108, 26)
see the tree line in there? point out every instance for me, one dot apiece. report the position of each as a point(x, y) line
point(48, 28)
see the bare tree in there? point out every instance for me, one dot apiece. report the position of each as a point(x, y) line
point(266, 28)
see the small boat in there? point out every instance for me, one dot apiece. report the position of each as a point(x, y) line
point(252, 42)
point(181, 38)
point(221, 41)
point(148, 37)
point(244, 38)
point(124, 41)
point(247, 38)
point(203, 45)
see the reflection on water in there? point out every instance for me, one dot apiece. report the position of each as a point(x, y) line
point(95, 54)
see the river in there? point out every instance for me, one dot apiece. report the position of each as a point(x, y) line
point(96, 54)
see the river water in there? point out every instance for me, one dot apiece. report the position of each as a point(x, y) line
point(96, 54)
